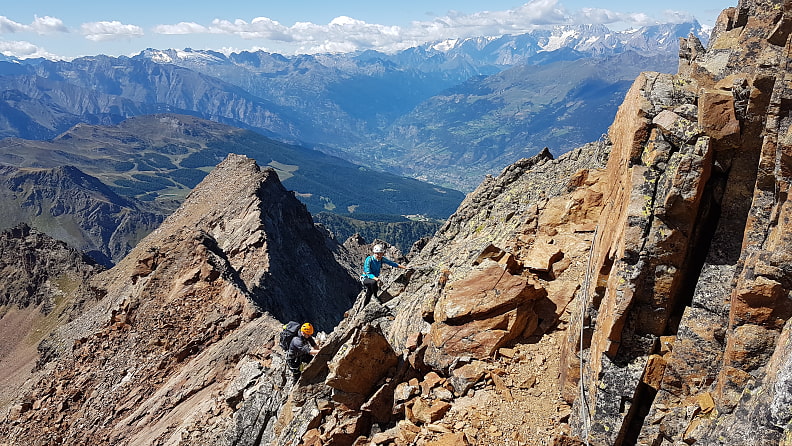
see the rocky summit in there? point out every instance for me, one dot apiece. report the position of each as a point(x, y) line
point(188, 302)
point(636, 290)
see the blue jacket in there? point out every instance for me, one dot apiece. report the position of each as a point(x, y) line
point(372, 267)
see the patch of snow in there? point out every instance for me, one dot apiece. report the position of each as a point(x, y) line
point(445, 45)
point(160, 57)
point(556, 41)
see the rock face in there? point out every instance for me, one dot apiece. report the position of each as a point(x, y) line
point(177, 339)
point(667, 266)
point(653, 266)
point(267, 236)
point(480, 313)
point(684, 320)
point(43, 285)
point(33, 264)
point(390, 373)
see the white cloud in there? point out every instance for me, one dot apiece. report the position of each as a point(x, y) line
point(181, 28)
point(344, 33)
point(670, 16)
point(103, 31)
point(47, 25)
point(40, 25)
point(348, 34)
point(9, 26)
point(258, 28)
point(604, 16)
point(632, 19)
point(521, 19)
point(23, 50)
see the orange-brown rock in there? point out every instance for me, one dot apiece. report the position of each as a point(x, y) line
point(360, 365)
point(685, 241)
point(407, 431)
point(464, 377)
point(450, 439)
point(428, 411)
point(717, 117)
point(430, 381)
point(477, 315)
point(490, 289)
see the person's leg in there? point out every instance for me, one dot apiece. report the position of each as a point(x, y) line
point(371, 289)
point(294, 368)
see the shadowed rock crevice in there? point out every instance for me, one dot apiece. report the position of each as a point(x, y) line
point(720, 322)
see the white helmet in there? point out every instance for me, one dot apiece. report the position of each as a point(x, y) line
point(378, 249)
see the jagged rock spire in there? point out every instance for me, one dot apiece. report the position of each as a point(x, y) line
point(176, 333)
point(268, 238)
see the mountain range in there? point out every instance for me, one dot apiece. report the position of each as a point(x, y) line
point(363, 107)
point(102, 188)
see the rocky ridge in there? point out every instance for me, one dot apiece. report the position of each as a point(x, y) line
point(43, 287)
point(633, 291)
point(674, 253)
point(453, 353)
point(177, 332)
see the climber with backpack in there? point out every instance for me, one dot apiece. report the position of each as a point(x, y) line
point(299, 345)
point(371, 271)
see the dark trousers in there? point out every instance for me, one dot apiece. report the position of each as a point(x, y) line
point(295, 362)
point(372, 286)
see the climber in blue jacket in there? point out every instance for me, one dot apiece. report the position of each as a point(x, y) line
point(371, 271)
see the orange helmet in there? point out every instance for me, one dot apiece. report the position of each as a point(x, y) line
point(307, 329)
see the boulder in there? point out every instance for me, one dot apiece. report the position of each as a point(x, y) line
point(426, 411)
point(466, 376)
point(477, 315)
point(487, 290)
point(360, 364)
point(450, 439)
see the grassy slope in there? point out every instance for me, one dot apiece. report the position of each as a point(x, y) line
point(159, 158)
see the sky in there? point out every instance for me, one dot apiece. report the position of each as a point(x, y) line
point(66, 29)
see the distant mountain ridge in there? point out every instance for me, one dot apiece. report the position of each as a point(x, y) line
point(585, 40)
point(486, 54)
point(102, 188)
point(348, 105)
point(69, 205)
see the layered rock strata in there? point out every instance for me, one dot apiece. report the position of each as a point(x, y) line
point(180, 334)
point(682, 322)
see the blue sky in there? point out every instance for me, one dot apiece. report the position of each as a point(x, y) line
point(70, 28)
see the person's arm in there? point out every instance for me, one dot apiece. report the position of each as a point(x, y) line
point(392, 263)
point(313, 348)
point(307, 347)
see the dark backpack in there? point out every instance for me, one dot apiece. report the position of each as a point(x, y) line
point(288, 333)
